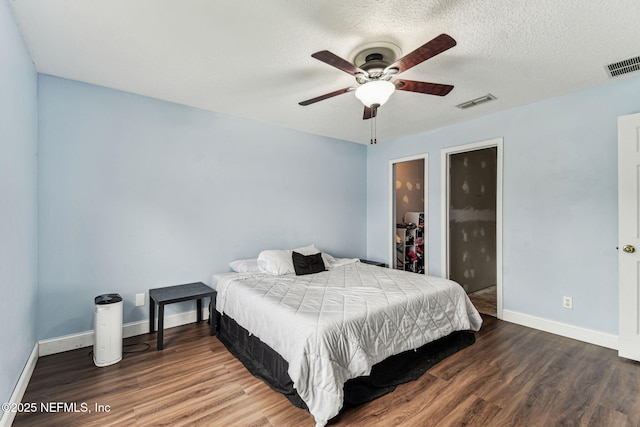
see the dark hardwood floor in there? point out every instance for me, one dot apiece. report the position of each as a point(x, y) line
point(511, 376)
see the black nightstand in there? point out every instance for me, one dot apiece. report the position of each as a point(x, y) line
point(376, 263)
point(169, 295)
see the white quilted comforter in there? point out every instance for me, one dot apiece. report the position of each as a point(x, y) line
point(335, 325)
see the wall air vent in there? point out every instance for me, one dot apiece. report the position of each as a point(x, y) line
point(474, 102)
point(623, 67)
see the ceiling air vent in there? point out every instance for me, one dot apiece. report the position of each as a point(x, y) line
point(474, 102)
point(623, 67)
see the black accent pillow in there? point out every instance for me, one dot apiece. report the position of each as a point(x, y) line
point(307, 264)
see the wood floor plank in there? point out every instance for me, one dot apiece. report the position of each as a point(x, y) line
point(624, 378)
point(409, 403)
point(511, 376)
point(193, 400)
point(602, 416)
point(473, 411)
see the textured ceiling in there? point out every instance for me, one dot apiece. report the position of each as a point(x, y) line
point(252, 58)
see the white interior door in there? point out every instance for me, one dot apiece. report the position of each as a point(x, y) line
point(629, 236)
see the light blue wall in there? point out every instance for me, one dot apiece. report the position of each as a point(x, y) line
point(137, 193)
point(559, 202)
point(18, 202)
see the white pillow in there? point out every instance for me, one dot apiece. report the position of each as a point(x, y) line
point(280, 261)
point(245, 265)
point(305, 250)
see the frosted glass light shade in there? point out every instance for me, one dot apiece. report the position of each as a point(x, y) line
point(375, 92)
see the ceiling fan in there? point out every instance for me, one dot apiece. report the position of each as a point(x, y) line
point(375, 74)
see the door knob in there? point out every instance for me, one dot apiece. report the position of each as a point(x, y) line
point(629, 249)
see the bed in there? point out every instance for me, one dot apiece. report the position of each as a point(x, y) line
point(313, 336)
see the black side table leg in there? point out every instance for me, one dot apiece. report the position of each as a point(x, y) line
point(152, 316)
point(199, 310)
point(160, 343)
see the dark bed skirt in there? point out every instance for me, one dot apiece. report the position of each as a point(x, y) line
point(265, 363)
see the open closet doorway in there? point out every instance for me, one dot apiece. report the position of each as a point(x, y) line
point(408, 248)
point(472, 226)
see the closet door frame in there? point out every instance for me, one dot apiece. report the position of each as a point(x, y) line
point(445, 154)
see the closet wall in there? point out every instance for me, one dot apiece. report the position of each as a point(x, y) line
point(409, 188)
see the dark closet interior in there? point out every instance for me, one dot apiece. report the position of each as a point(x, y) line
point(472, 219)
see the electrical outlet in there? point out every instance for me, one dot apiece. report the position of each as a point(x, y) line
point(567, 302)
point(139, 300)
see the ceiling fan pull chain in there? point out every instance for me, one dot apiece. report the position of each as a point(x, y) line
point(371, 126)
point(374, 124)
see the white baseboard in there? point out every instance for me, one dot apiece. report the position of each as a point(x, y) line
point(21, 386)
point(581, 334)
point(85, 339)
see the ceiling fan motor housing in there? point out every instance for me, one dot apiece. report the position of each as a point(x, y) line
point(374, 59)
point(375, 64)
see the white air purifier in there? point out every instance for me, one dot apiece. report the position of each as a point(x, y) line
point(107, 338)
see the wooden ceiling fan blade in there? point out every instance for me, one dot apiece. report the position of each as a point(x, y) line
point(437, 89)
point(326, 96)
point(424, 52)
point(369, 113)
point(337, 62)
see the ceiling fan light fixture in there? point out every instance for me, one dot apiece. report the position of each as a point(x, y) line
point(375, 92)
